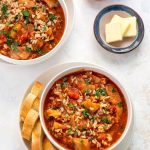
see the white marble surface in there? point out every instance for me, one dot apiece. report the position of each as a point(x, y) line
point(131, 68)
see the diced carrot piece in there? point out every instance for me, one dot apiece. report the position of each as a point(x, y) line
point(23, 55)
point(93, 107)
point(57, 125)
point(81, 144)
point(40, 43)
point(49, 31)
point(113, 93)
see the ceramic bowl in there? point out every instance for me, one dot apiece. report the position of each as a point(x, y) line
point(49, 54)
point(125, 139)
point(105, 16)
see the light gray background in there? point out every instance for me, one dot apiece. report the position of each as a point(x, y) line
point(132, 69)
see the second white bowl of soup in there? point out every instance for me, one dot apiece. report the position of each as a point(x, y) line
point(32, 31)
point(86, 107)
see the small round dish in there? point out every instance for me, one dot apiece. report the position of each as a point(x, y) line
point(67, 30)
point(125, 139)
point(105, 15)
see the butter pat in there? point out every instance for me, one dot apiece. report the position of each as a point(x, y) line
point(132, 30)
point(113, 32)
point(124, 23)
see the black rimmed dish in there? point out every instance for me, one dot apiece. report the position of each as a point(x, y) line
point(105, 16)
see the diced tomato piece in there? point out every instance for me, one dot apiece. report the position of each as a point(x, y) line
point(2, 39)
point(103, 136)
point(23, 38)
point(73, 93)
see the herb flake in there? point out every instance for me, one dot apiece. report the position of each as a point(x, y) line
point(120, 104)
point(52, 17)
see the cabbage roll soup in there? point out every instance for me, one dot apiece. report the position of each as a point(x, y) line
point(85, 111)
point(30, 28)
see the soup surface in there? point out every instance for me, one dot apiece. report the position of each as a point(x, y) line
point(85, 111)
point(30, 28)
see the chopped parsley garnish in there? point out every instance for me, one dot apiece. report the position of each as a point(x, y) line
point(100, 91)
point(44, 28)
point(105, 120)
point(69, 131)
point(43, 8)
point(52, 17)
point(14, 30)
point(87, 91)
point(75, 133)
point(72, 107)
point(105, 127)
point(15, 18)
point(5, 33)
point(40, 52)
point(87, 81)
point(86, 113)
point(81, 141)
point(9, 41)
point(94, 118)
point(34, 8)
point(84, 128)
point(65, 79)
point(4, 10)
point(28, 49)
point(14, 46)
point(26, 15)
point(113, 90)
point(7, 24)
point(64, 85)
point(120, 104)
point(83, 106)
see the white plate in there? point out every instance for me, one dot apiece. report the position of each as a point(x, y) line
point(46, 76)
point(71, 15)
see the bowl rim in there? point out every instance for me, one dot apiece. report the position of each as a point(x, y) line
point(97, 69)
point(119, 50)
point(50, 53)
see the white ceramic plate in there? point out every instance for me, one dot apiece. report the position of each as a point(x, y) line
point(71, 13)
point(46, 76)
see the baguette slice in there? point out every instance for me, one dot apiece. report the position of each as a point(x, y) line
point(37, 89)
point(37, 135)
point(29, 124)
point(26, 105)
point(47, 145)
point(36, 104)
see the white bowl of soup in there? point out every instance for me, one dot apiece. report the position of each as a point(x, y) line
point(31, 31)
point(85, 107)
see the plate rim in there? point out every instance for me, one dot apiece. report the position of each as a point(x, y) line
point(124, 49)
